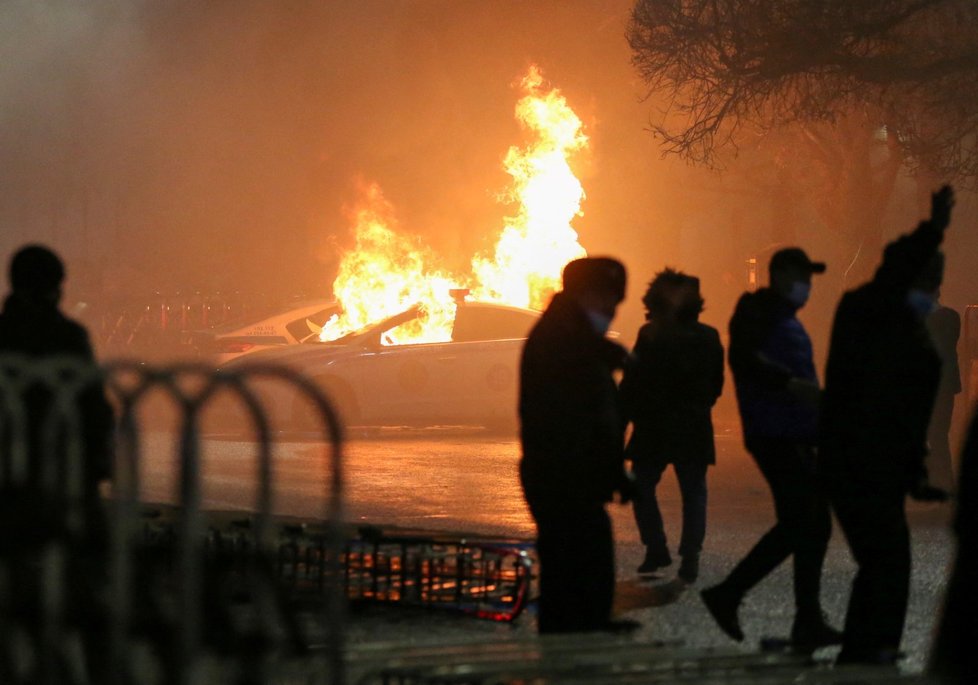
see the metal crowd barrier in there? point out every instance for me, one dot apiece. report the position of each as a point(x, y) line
point(151, 611)
point(485, 578)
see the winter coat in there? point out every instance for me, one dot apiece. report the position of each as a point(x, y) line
point(41, 330)
point(882, 375)
point(768, 347)
point(570, 424)
point(670, 384)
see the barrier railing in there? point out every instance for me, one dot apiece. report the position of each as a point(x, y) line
point(143, 611)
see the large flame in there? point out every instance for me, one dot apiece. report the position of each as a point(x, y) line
point(386, 272)
point(537, 242)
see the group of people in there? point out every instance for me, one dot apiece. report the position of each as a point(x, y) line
point(855, 447)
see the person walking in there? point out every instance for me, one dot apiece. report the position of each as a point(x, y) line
point(777, 394)
point(672, 381)
point(572, 459)
point(881, 380)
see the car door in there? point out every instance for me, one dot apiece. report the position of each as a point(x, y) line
point(489, 342)
point(408, 384)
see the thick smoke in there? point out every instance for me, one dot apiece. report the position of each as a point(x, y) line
point(176, 145)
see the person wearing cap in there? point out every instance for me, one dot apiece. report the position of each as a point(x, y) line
point(881, 380)
point(670, 384)
point(778, 393)
point(572, 459)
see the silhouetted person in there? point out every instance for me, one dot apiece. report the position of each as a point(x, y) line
point(31, 325)
point(573, 447)
point(777, 393)
point(880, 383)
point(954, 659)
point(944, 325)
point(673, 379)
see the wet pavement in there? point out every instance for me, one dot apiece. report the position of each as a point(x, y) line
point(461, 480)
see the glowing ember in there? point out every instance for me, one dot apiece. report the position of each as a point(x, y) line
point(386, 273)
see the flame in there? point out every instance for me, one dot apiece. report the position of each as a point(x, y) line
point(537, 242)
point(385, 273)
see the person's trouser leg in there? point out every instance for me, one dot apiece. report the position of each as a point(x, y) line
point(804, 511)
point(577, 572)
point(648, 517)
point(875, 525)
point(692, 487)
point(803, 528)
point(774, 546)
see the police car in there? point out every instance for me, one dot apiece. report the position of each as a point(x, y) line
point(302, 321)
point(470, 379)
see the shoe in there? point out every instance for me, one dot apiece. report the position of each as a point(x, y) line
point(655, 560)
point(689, 569)
point(809, 635)
point(723, 604)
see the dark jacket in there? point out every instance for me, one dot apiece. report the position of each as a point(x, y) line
point(768, 347)
point(41, 330)
point(671, 382)
point(570, 424)
point(882, 374)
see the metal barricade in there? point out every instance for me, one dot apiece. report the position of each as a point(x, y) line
point(48, 645)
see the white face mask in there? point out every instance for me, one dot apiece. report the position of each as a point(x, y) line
point(601, 322)
point(799, 293)
point(921, 302)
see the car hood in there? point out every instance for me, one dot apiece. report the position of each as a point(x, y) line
point(291, 355)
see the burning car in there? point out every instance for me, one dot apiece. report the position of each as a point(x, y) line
point(302, 321)
point(469, 378)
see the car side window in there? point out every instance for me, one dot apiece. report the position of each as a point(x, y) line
point(483, 323)
point(306, 326)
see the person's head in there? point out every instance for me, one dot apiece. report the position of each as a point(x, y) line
point(791, 272)
point(673, 295)
point(598, 285)
point(926, 287)
point(37, 273)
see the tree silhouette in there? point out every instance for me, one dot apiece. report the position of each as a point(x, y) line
point(839, 94)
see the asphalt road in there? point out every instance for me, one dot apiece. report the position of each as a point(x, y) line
point(465, 480)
